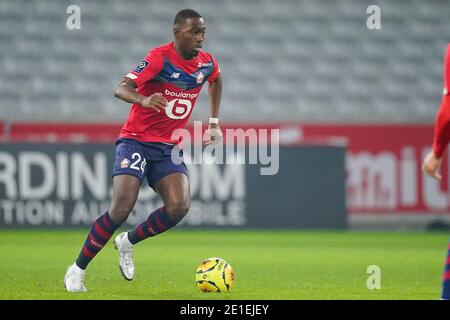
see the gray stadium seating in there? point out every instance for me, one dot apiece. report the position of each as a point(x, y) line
point(281, 60)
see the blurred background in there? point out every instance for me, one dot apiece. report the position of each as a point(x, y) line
point(312, 69)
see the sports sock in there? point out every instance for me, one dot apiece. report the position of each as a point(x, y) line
point(101, 231)
point(446, 277)
point(157, 222)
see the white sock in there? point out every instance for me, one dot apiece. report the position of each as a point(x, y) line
point(78, 268)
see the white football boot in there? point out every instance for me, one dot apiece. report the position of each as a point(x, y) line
point(125, 248)
point(74, 279)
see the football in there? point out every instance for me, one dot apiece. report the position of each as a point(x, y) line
point(214, 275)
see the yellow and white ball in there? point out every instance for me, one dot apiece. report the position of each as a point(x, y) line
point(214, 275)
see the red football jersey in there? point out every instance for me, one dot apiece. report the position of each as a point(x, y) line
point(442, 122)
point(447, 70)
point(180, 81)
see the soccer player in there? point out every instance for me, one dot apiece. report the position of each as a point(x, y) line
point(163, 89)
point(432, 162)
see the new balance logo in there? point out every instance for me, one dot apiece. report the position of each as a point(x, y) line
point(175, 75)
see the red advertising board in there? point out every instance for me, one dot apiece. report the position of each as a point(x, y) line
point(384, 163)
point(384, 168)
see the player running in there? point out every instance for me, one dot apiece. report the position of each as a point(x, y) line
point(432, 162)
point(168, 82)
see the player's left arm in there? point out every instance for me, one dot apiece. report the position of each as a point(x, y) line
point(214, 133)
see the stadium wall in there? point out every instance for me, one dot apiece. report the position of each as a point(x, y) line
point(69, 185)
point(385, 187)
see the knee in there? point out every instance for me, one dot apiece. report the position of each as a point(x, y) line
point(177, 210)
point(119, 213)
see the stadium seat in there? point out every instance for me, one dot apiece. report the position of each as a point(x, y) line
point(308, 53)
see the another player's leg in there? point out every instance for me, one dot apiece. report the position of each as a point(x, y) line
point(446, 278)
point(174, 189)
point(125, 192)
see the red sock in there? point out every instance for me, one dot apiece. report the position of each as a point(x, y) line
point(102, 229)
point(157, 222)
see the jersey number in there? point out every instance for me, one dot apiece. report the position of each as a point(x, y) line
point(138, 158)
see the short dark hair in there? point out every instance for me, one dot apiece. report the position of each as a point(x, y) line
point(184, 14)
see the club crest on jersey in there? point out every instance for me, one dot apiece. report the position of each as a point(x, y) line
point(141, 66)
point(200, 77)
point(124, 163)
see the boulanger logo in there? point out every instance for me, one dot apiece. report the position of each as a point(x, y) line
point(180, 94)
point(179, 108)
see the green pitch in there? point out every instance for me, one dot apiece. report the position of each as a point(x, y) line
point(268, 265)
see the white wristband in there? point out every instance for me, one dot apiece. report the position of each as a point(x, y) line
point(214, 120)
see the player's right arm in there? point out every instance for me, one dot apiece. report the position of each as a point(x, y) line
point(145, 71)
point(432, 162)
point(126, 90)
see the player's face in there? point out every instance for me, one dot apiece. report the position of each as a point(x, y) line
point(190, 37)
